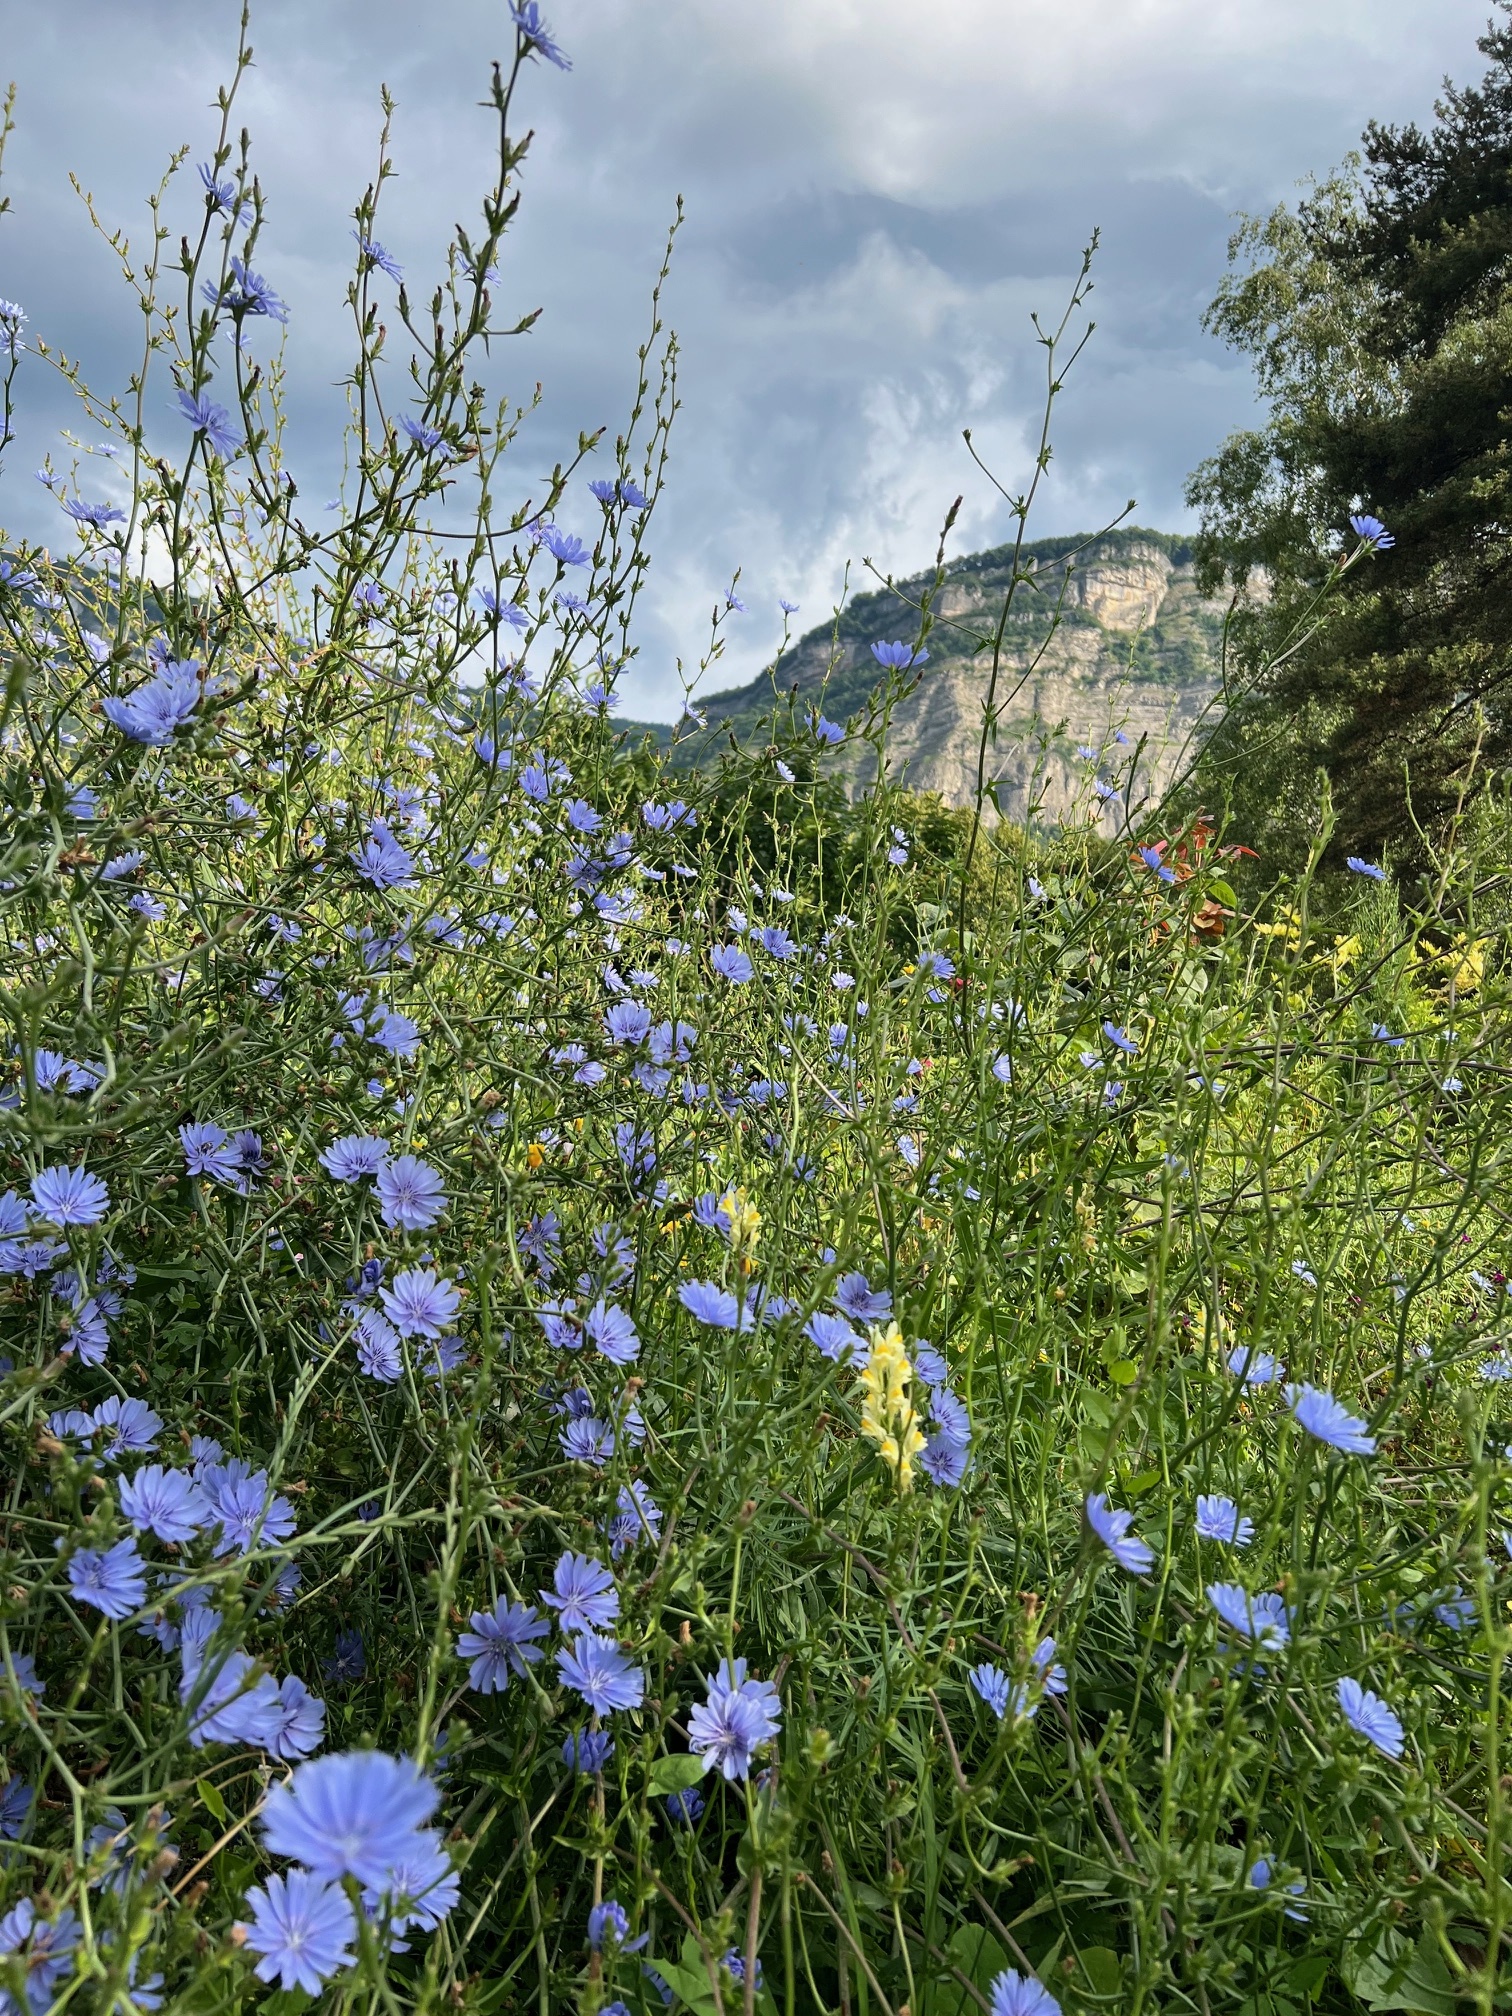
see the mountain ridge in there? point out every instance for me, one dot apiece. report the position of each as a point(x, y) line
point(1110, 639)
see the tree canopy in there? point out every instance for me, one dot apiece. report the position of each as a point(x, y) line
point(1378, 314)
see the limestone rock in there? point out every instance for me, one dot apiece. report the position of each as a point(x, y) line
point(1112, 651)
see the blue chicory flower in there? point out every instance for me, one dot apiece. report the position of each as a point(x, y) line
point(166, 1502)
point(1328, 1420)
point(1015, 1994)
point(612, 1333)
point(1262, 1620)
point(601, 1673)
point(535, 35)
point(302, 1929)
point(349, 1815)
point(213, 421)
point(587, 1750)
point(1219, 1518)
point(500, 1643)
point(583, 1594)
point(1369, 1716)
point(411, 1194)
point(154, 712)
point(65, 1196)
point(420, 1303)
point(1371, 530)
point(897, 657)
point(113, 1581)
point(1112, 1528)
point(355, 1156)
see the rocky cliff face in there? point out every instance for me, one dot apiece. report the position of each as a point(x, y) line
point(1113, 652)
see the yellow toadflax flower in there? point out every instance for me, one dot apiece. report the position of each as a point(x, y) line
point(887, 1415)
point(745, 1224)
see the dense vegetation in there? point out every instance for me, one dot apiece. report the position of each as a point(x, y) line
point(624, 1390)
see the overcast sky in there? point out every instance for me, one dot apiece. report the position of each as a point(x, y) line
point(878, 195)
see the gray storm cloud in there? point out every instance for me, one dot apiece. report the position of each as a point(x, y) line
point(876, 201)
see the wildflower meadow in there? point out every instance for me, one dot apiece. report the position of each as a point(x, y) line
point(629, 1386)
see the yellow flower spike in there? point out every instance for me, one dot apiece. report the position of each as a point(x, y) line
point(535, 1155)
point(887, 1415)
point(744, 1221)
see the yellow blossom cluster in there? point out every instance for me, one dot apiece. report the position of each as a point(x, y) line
point(1288, 928)
point(887, 1415)
point(1463, 966)
point(744, 1221)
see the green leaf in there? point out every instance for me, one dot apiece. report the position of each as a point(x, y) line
point(1098, 1408)
point(1123, 1372)
point(674, 1774)
point(1394, 1975)
point(690, 1985)
point(210, 1797)
point(692, 1981)
point(1426, 1989)
point(1103, 1969)
point(979, 1957)
point(1308, 1976)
